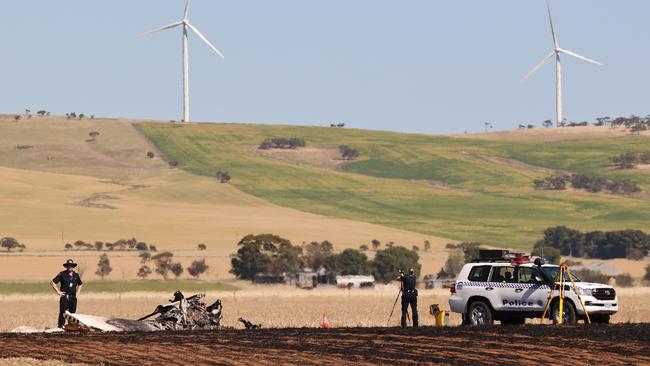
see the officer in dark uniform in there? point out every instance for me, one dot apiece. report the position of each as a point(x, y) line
point(71, 284)
point(409, 296)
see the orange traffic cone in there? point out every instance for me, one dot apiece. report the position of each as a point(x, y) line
point(325, 324)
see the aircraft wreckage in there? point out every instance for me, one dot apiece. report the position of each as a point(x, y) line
point(180, 313)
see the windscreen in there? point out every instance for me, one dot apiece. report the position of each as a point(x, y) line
point(551, 273)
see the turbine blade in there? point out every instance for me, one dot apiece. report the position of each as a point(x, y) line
point(550, 19)
point(539, 65)
point(164, 27)
point(580, 57)
point(187, 10)
point(198, 33)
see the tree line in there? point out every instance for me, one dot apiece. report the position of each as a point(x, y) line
point(162, 264)
point(631, 244)
point(635, 124)
point(282, 143)
point(629, 160)
point(590, 183)
point(274, 255)
point(120, 245)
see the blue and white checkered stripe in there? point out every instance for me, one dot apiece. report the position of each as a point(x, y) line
point(462, 284)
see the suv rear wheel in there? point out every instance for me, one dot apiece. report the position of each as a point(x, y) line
point(479, 313)
point(568, 313)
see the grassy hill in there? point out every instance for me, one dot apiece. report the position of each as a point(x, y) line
point(459, 188)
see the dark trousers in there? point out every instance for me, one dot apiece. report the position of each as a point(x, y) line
point(410, 298)
point(68, 303)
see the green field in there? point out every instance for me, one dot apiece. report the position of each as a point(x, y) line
point(119, 287)
point(397, 179)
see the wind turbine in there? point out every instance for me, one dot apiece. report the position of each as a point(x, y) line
point(185, 23)
point(558, 67)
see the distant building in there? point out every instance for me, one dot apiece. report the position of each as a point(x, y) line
point(357, 281)
point(309, 279)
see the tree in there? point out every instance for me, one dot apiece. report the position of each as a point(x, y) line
point(152, 248)
point(173, 163)
point(348, 262)
point(427, 245)
point(348, 153)
point(93, 135)
point(144, 271)
point(315, 253)
point(68, 246)
point(9, 243)
point(141, 246)
point(150, 154)
point(252, 257)
point(455, 262)
point(286, 259)
point(202, 246)
point(375, 244)
point(548, 123)
point(177, 269)
point(197, 268)
point(415, 248)
point(388, 262)
point(17, 118)
point(551, 254)
point(647, 273)
point(363, 248)
point(163, 262)
point(144, 257)
point(99, 245)
point(104, 266)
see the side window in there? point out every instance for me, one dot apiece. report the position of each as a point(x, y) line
point(503, 274)
point(479, 273)
point(527, 275)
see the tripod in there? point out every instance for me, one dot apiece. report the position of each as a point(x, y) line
point(559, 284)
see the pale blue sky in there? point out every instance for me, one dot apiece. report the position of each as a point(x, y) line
point(418, 66)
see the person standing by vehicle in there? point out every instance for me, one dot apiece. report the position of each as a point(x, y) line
point(70, 287)
point(409, 297)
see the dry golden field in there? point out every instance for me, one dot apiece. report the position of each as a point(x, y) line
point(64, 189)
point(276, 306)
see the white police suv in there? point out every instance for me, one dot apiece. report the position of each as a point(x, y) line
point(511, 289)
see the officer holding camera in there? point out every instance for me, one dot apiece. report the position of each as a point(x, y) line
point(409, 296)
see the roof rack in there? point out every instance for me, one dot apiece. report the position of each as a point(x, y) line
point(501, 256)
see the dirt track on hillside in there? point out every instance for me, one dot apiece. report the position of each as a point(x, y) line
point(613, 344)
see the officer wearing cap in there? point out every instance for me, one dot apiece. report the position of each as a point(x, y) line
point(70, 287)
point(409, 296)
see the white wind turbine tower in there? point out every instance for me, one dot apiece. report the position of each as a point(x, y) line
point(558, 67)
point(185, 23)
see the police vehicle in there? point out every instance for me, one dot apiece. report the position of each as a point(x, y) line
point(509, 288)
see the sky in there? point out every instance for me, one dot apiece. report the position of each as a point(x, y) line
point(425, 66)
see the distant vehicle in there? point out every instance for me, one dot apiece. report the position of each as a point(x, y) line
point(512, 289)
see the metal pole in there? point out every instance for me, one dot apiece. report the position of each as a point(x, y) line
point(394, 304)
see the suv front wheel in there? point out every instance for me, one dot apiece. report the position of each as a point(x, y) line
point(568, 313)
point(479, 313)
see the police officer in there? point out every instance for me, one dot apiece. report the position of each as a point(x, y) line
point(409, 296)
point(71, 284)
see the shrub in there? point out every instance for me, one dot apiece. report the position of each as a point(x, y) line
point(453, 265)
point(647, 273)
point(363, 247)
point(348, 153)
point(591, 276)
point(68, 246)
point(173, 163)
point(223, 177)
point(150, 154)
point(624, 280)
point(99, 245)
point(202, 246)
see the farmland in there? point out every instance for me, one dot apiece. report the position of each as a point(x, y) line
point(460, 188)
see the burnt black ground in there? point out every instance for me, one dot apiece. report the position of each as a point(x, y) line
point(583, 344)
